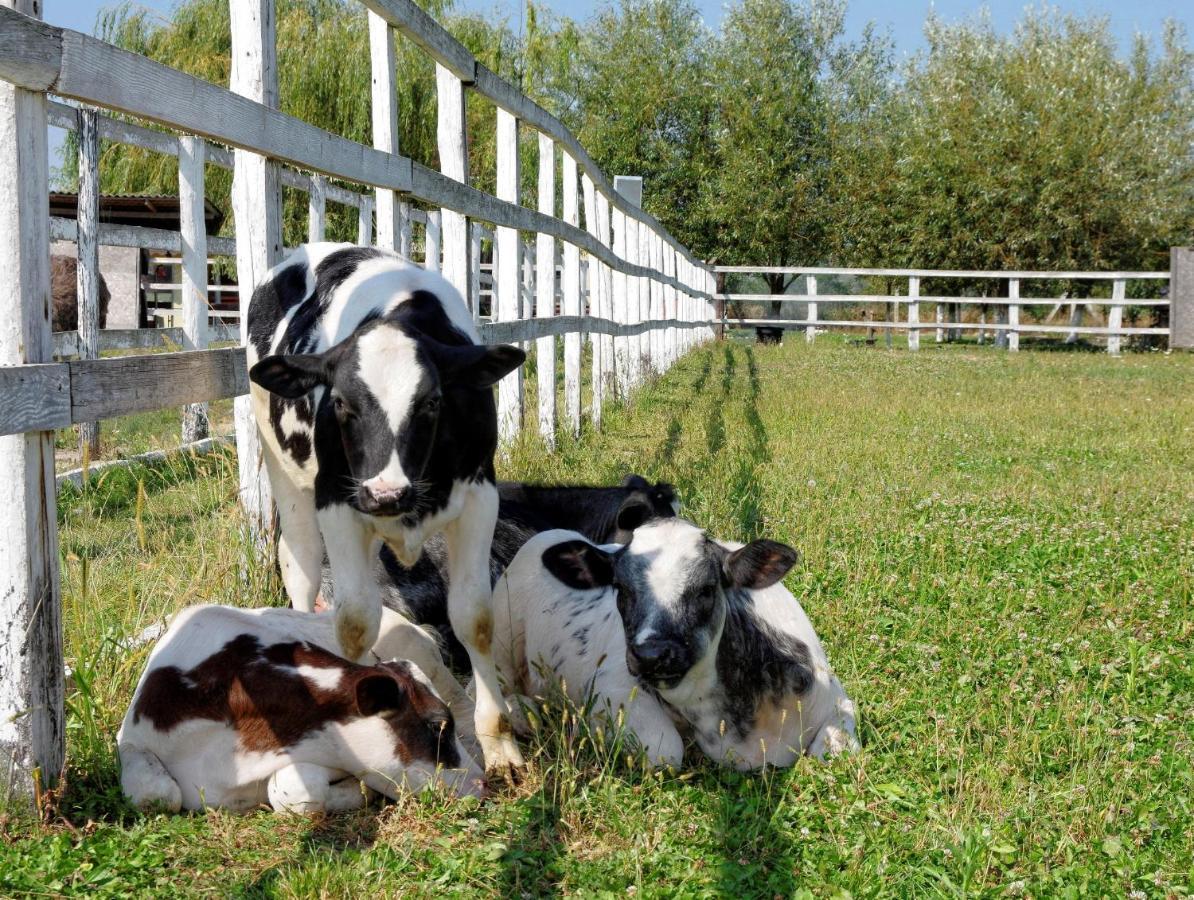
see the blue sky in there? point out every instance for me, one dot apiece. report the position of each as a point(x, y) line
point(904, 18)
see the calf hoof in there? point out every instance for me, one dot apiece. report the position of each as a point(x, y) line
point(503, 760)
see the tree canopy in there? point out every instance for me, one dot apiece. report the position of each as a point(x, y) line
point(777, 140)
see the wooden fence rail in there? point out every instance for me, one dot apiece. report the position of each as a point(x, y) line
point(1007, 328)
point(599, 267)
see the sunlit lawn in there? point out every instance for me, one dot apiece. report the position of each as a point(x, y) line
point(998, 552)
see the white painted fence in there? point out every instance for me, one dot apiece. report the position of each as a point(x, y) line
point(627, 255)
point(1007, 327)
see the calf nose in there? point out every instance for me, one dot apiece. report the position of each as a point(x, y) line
point(658, 660)
point(386, 500)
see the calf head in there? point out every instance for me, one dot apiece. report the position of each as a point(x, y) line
point(390, 390)
point(672, 583)
point(645, 502)
point(421, 731)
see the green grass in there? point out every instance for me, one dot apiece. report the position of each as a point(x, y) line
point(998, 552)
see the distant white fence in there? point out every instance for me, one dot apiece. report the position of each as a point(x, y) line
point(947, 321)
point(647, 302)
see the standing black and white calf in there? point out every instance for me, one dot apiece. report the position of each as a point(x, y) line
point(372, 393)
point(705, 626)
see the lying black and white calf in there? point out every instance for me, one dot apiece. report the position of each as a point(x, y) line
point(674, 626)
point(373, 395)
point(238, 707)
point(602, 514)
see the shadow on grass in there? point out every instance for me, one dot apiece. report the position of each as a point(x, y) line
point(760, 854)
point(531, 863)
point(746, 488)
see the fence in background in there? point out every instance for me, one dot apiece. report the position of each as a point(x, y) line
point(648, 300)
point(947, 321)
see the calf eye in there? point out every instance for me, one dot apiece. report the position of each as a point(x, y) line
point(342, 408)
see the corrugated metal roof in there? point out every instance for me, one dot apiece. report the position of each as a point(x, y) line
point(156, 211)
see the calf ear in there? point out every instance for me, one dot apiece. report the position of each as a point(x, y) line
point(291, 376)
point(379, 693)
point(637, 482)
point(759, 564)
point(579, 565)
point(477, 366)
point(634, 511)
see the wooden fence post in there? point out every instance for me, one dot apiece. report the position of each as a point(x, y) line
point(644, 301)
point(606, 341)
point(1115, 317)
point(88, 274)
point(453, 162)
point(431, 242)
point(192, 152)
point(257, 208)
point(572, 303)
point(393, 216)
point(545, 298)
point(365, 222)
point(669, 311)
point(508, 271)
point(940, 322)
point(32, 746)
point(810, 333)
point(596, 302)
point(317, 209)
point(1181, 298)
point(474, 270)
point(1013, 315)
point(913, 313)
point(621, 305)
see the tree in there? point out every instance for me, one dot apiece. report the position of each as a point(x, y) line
point(1037, 150)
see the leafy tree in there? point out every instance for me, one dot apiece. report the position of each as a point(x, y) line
point(1041, 149)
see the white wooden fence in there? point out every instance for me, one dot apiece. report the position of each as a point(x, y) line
point(648, 300)
point(946, 323)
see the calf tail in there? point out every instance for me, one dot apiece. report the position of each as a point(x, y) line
point(146, 782)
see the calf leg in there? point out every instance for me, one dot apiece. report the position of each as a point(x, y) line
point(300, 788)
point(468, 538)
point(300, 547)
point(358, 598)
point(146, 782)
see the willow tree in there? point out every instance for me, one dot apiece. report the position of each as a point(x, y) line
point(1040, 149)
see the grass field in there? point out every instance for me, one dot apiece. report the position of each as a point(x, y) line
point(998, 553)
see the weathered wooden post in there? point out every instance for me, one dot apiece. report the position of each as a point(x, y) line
point(605, 341)
point(572, 302)
point(508, 270)
point(621, 285)
point(940, 322)
point(545, 294)
point(365, 222)
point(596, 301)
point(810, 333)
point(32, 747)
point(913, 313)
point(257, 207)
point(474, 270)
point(720, 303)
point(192, 152)
point(431, 242)
point(1115, 318)
point(630, 188)
point(393, 216)
point(453, 162)
point(1013, 315)
point(1181, 298)
point(317, 209)
point(88, 274)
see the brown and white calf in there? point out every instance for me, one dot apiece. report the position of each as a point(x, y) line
point(237, 708)
point(372, 392)
point(675, 627)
